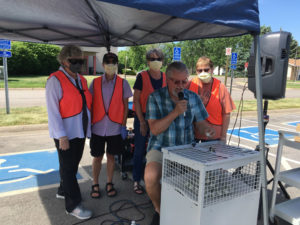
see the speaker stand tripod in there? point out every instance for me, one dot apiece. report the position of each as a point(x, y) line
point(266, 121)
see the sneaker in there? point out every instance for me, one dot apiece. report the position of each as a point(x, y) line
point(60, 196)
point(155, 219)
point(81, 213)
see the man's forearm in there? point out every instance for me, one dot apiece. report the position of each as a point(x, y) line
point(159, 126)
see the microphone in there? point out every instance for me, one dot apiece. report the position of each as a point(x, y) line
point(181, 97)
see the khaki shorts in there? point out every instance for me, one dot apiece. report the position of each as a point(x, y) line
point(154, 156)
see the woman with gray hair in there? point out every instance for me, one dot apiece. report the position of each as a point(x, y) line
point(146, 82)
point(68, 103)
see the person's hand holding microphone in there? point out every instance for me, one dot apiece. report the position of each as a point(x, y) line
point(181, 105)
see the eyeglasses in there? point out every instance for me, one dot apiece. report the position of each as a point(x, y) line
point(155, 59)
point(201, 70)
point(76, 61)
point(177, 82)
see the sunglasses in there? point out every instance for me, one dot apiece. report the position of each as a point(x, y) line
point(155, 59)
point(203, 70)
point(76, 61)
point(177, 82)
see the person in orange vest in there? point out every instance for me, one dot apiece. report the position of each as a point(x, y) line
point(109, 116)
point(215, 97)
point(146, 82)
point(69, 119)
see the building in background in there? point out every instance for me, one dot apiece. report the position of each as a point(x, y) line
point(93, 62)
point(293, 72)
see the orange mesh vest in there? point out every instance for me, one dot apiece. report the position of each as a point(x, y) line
point(147, 89)
point(71, 102)
point(116, 105)
point(213, 107)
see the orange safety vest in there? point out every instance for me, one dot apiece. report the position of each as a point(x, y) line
point(213, 107)
point(116, 106)
point(71, 102)
point(147, 89)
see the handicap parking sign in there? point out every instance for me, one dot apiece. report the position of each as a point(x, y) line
point(234, 56)
point(177, 54)
point(27, 170)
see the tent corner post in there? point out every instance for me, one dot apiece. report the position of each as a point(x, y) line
point(258, 86)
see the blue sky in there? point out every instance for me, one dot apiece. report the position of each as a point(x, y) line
point(284, 14)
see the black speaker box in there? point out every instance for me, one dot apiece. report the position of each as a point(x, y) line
point(274, 53)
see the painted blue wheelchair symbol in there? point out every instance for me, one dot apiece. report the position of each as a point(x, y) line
point(27, 170)
point(294, 124)
point(251, 133)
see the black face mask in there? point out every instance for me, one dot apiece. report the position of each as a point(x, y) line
point(75, 68)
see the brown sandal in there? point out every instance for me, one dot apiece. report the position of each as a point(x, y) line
point(94, 191)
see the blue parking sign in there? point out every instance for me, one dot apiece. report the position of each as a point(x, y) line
point(6, 54)
point(177, 54)
point(234, 56)
point(5, 44)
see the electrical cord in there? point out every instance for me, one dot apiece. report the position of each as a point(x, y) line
point(119, 219)
point(240, 111)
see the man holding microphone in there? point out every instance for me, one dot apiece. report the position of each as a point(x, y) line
point(171, 112)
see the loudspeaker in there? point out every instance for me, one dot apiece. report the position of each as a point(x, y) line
point(274, 52)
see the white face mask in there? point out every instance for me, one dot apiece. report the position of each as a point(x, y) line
point(155, 65)
point(110, 69)
point(204, 77)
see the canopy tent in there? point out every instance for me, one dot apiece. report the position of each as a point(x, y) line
point(125, 23)
point(136, 22)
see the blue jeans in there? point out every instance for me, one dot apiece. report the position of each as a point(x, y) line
point(139, 151)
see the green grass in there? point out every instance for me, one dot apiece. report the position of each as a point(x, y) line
point(293, 84)
point(38, 115)
point(25, 82)
point(40, 81)
point(23, 116)
point(287, 103)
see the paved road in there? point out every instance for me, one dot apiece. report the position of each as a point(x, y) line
point(36, 97)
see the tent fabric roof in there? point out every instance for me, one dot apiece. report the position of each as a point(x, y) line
point(125, 23)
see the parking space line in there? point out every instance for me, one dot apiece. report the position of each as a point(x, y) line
point(284, 160)
point(269, 124)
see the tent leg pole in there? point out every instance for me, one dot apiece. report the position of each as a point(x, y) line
point(258, 85)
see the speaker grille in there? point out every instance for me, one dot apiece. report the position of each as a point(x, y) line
point(283, 53)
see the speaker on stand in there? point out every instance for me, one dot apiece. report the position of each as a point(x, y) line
point(274, 51)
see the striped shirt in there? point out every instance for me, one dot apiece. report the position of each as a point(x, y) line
point(180, 131)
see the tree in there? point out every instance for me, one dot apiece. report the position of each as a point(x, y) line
point(33, 59)
point(136, 58)
point(265, 29)
point(294, 49)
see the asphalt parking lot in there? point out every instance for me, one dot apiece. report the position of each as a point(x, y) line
point(24, 201)
point(38, 205)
